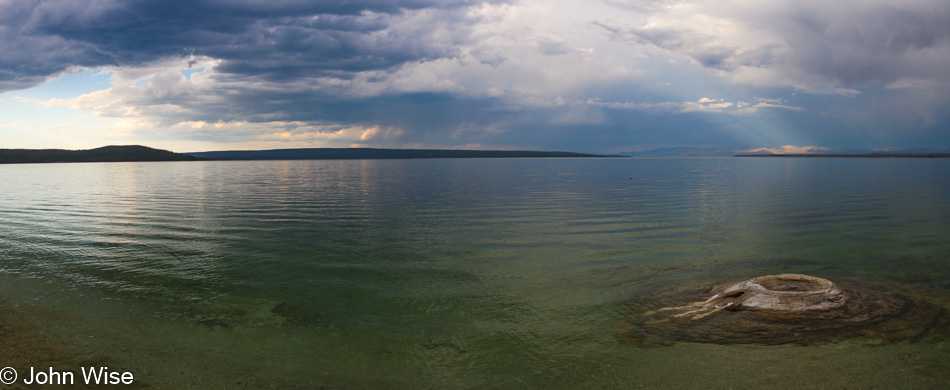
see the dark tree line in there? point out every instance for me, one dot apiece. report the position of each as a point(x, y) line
point(103, 154)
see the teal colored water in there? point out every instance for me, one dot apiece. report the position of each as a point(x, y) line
point(487, 273)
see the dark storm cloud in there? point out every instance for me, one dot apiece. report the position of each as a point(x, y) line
point(530, 74)
point(848, 42)
point(879, 44)
point(278, 40)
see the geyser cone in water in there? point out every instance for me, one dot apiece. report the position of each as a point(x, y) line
point(788, 294)
point(780, 309)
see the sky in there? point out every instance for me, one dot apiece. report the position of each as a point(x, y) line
point(601, 76)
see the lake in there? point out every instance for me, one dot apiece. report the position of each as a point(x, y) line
point(459, 273)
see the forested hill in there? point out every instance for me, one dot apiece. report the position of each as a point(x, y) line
point(103, 154)
point(369, 153)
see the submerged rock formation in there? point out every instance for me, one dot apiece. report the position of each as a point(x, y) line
point(782, 309)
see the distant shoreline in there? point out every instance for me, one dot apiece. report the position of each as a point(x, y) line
point(861, 155)
point(136, 153)
point(380, 154)
point(127, 153)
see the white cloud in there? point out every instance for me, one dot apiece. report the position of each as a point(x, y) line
point(789, 149)
point(472, 72)
point(527, 55)
point(12, 125)
point(702, 105)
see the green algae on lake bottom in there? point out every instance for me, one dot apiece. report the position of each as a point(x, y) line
point(464, 274)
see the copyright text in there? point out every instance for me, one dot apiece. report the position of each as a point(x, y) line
point(51, 376)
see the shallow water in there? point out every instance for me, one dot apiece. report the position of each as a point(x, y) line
point(493, 273)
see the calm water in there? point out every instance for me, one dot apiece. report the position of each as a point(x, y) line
point(507, 273)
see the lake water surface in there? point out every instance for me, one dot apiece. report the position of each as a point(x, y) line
point(468, 273)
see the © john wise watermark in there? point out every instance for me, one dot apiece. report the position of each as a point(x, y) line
point(50, 376)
